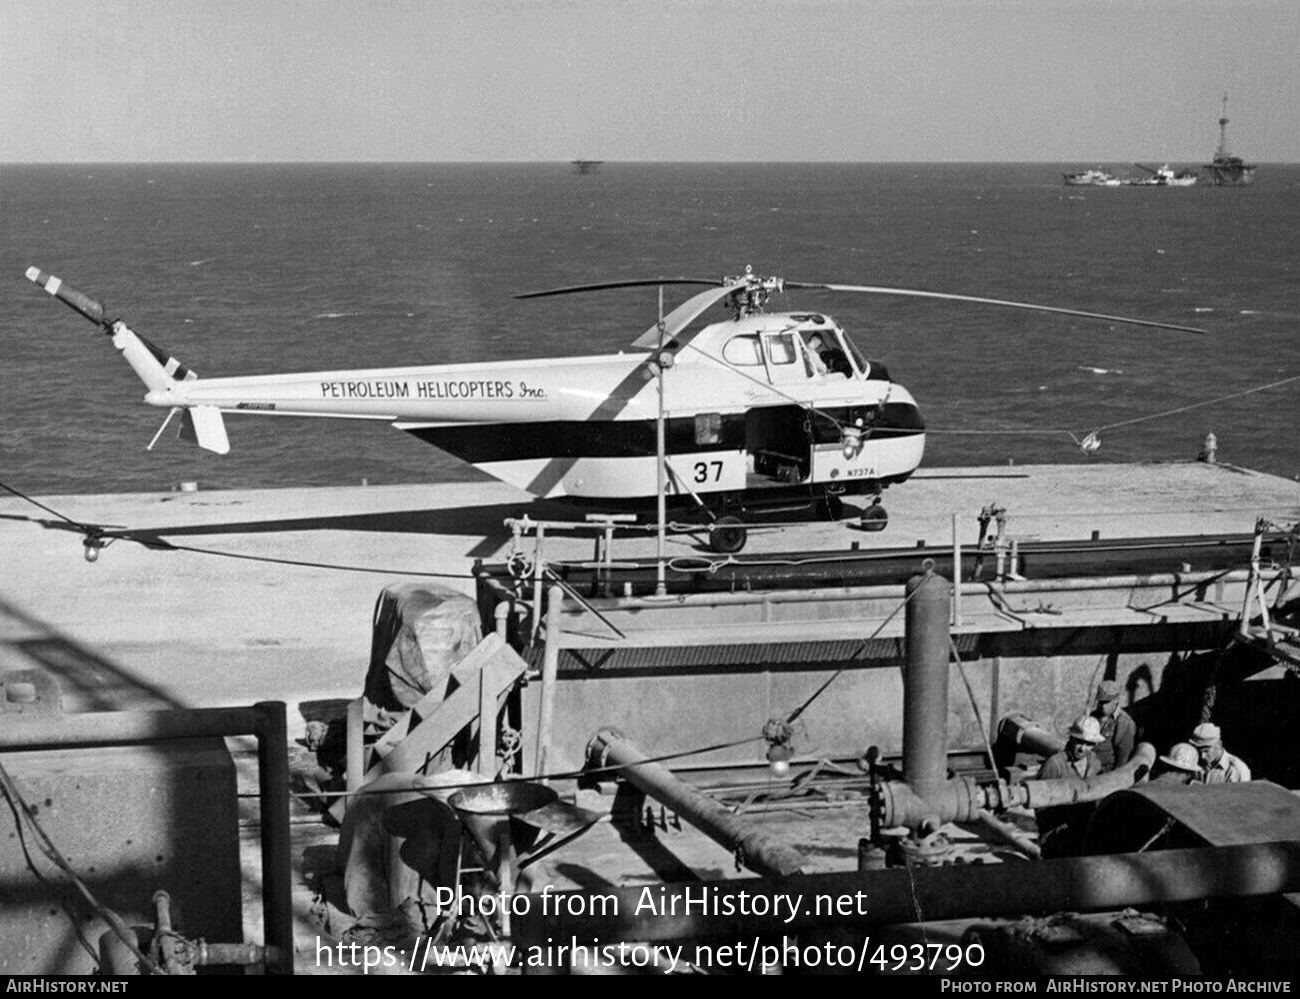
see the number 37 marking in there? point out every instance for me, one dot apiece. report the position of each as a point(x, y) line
point(702, 469)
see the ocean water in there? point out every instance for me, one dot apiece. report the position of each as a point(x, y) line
point(241, 269)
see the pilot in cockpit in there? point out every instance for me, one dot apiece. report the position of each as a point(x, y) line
point(832, 359)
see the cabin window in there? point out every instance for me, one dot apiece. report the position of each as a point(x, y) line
point(862, 363)
point(708, 428)
point(781, 349)
point(743, 351)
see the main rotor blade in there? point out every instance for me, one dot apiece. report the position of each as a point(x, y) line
point(914, 293)
point(606, 285)
point(684, 315)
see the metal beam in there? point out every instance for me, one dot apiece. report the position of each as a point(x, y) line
point(265, 720)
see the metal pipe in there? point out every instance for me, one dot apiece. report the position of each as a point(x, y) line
point(661, 468)
point(273, 799)
point(962, 799)
point(265, 721)
point(956, 570)
point(1009, 834)
point(501, 620)
point(355, 753)
point(550, 671)
point(539, 566)
point(1045, 793)
point(888, 592)
point(925, 683)
point(223, 953)
point(1158, 579)
point(711, 909)
point(170, 949)
point(754, 848)
point(1023, 734)
point(958, 800)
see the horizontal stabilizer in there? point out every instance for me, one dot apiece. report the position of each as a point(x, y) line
point(204, 426)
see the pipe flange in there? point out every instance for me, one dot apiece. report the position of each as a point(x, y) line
point(598, 747)
point(933, 850)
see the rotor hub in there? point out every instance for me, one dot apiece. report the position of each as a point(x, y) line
point(753, 297)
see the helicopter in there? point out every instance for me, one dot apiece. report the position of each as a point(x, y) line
point(756, 412)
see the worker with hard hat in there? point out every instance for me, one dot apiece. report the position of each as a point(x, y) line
point(1118, 730)
point(1181, 765)
point(1061, 827)
point(1078, 759)
point(1218, 766)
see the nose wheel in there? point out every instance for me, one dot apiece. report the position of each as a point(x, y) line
point(874, 518)
point(727, 535)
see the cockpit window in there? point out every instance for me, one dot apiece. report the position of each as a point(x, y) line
point(781, 349)
point(863, 364)
point(824, 346)
point(742, 351)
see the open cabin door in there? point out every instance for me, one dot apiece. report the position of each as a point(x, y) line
point(777, 440)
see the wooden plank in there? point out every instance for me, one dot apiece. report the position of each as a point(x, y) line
point(487, 723)
point(502, 667)
point(395, 734)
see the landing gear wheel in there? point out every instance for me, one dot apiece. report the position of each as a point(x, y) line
point(727, 535)
point(830, 508)
point(874, 518)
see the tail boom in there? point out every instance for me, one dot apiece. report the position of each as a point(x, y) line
point(162, 374)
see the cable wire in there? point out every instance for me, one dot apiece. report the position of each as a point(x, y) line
point(561, 775)
point(1092, 435)
point(19, 828)
point(857, 652)
point(1198, 405)
point(24, 496)
point(51, 853)
point(156, 543)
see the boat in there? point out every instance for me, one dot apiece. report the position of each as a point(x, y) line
point(1228, 170)
point(1091, 178)
point(1164, 177)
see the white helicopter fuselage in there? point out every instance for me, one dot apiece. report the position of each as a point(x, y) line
point(746, 405)
point(772, 405)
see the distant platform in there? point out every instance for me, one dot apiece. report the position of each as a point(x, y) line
point(268, 594)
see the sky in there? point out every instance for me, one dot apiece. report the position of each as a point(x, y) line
point(1070, 81)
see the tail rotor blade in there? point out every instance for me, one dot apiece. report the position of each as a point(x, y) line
point(77, 300)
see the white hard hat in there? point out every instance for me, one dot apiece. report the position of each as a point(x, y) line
point(1182, 756)
point(1086, 729)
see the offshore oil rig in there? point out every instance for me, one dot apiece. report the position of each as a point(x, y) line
point(1227, 170)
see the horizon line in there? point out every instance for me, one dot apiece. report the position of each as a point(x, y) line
point(607, 162)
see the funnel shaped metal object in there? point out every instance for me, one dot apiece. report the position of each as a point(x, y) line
point(487, 812)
